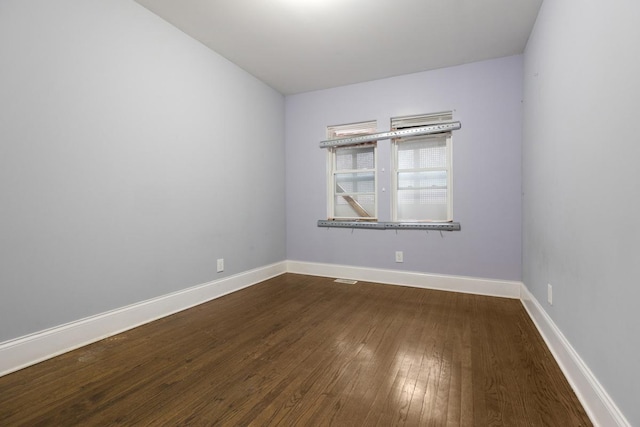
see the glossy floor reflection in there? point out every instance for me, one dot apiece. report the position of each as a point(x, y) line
point(301, 350)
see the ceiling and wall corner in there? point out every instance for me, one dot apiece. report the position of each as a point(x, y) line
point(300, 46)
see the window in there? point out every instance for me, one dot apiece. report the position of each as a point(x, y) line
point(419, 174)
point(421, 179)
point(352, 174)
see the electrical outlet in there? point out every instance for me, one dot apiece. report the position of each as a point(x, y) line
point(399, 256)
point(220, 265)
point(549, 294)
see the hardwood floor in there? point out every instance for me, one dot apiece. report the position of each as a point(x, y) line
point(302, 350)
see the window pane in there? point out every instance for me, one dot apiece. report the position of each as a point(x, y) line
point(359, 182)
point(357, 205)
point(415, 205)
point(355, 158)
point(423, 153)
point(422, 180)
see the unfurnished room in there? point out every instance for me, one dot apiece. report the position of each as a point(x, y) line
point(319, 212)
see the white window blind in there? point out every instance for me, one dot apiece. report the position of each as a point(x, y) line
point(352, 129)
point(405, 122)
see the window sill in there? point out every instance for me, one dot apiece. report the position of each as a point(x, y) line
point(438, 226)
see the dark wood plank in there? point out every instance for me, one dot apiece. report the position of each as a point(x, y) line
point(302, 350)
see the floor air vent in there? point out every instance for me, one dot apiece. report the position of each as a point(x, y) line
point(346, 281)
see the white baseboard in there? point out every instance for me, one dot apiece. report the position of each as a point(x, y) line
point(468, 285)
point(28, 350)
point(596, 401)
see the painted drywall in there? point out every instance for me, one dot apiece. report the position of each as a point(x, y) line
point(131, 158)
point(580, 182)
point(486, 97)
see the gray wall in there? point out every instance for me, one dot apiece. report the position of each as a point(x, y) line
point(581, 183)
point(131, 157)
point(486, 97)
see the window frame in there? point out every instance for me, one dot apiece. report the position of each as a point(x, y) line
point(357, 134)
point(340, 131)
point(396, 142)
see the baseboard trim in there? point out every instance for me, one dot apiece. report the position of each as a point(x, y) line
point(601, 409)
point(31, 349)
point(463, 284)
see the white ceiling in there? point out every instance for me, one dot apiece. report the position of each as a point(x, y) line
point(302, 45)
